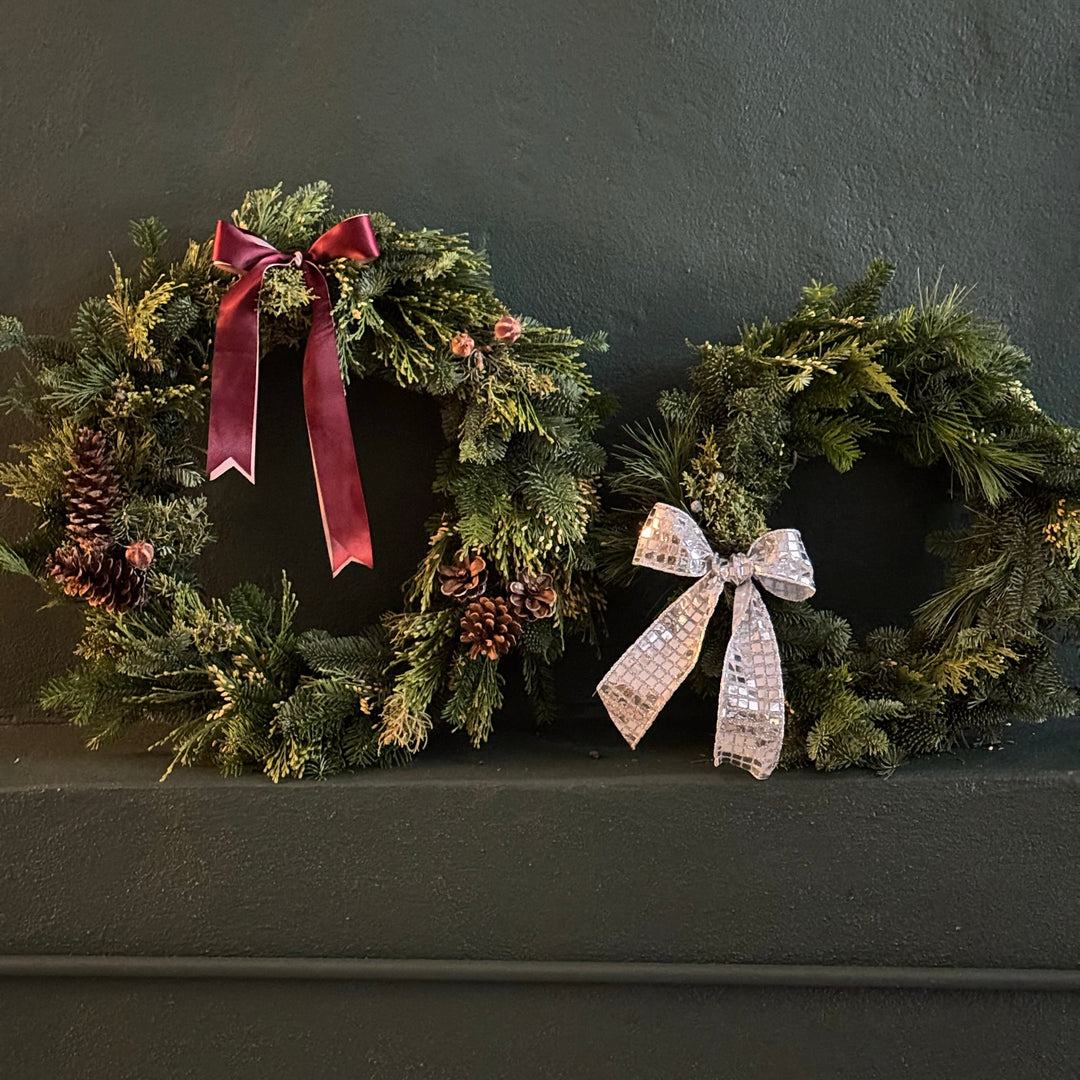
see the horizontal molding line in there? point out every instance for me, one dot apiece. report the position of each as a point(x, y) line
point(843, 977)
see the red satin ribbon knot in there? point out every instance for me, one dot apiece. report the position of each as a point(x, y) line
point(234, 387)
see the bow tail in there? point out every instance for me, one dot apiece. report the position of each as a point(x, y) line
point(642, 680)
point(750, 718)
point(234, 385)
point(333, 454)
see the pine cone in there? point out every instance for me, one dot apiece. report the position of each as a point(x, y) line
point(532, 597)
point(93, 490)
point(464, 580)
point(489, 627)
point(101, 579)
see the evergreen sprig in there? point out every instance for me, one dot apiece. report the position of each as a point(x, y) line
point(232, 680)
point(938, 383)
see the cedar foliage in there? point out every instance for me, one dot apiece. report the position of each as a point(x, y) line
point(938, 383)
point(233, 680)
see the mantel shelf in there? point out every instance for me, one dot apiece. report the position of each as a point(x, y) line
point(534, 848)
point(541, 908)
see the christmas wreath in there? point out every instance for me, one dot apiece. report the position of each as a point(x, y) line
point(938, 384)
point(115, 476)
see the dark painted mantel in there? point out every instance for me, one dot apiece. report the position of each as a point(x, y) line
point(540, 909)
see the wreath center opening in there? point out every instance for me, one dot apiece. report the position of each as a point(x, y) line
point(275, 525)
point(867, 530)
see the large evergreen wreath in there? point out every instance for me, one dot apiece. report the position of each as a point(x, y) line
point(939, 384)
point(115, 476)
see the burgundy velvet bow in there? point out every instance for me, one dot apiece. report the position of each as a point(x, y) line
point(234, 388)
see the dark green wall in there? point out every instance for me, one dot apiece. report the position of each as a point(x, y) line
point(663, 169)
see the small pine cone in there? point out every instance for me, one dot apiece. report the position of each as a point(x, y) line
point(532, 597)
point(93, 490)
point(101, 579)
point(465, 579)
point(489, 627)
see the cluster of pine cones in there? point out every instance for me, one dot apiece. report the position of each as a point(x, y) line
point(491, 625)
point(92, 564)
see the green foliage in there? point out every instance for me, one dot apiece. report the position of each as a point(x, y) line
point(12, 334)
point(149, 235)
point(936, 382)
point(232, 680)
point(12, 562)
point(289, 222)
point(476, 692)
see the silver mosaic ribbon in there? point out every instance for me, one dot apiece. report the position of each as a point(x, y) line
point(750, 718)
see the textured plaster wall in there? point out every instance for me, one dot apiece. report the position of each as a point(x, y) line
point(664, 169)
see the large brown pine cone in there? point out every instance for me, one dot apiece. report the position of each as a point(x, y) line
point(489, 626)
point(532, 597)
point(93, 490)
point(464, 579)
point(101, 579)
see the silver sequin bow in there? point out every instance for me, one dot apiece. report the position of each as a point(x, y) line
point(750, 721)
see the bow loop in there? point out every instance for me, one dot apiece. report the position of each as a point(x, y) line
point(672, 541)
point(353, 238)
point(237, 250)
point(782, 565)
point(750, 717)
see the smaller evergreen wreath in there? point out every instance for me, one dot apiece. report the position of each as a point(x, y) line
point(939, 384)
point(114, 481)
